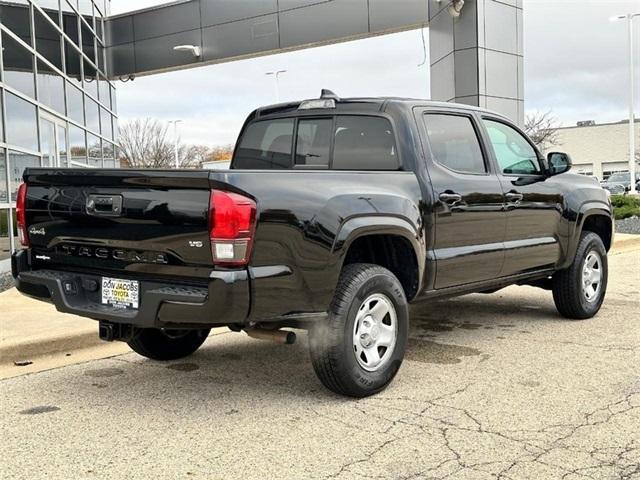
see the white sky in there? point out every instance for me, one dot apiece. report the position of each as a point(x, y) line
point(575, 64)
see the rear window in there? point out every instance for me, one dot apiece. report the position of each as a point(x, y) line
point(266, 145)
point(313, 143)
point(358, 142)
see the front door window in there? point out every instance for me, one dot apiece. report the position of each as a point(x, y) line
point(514, 154)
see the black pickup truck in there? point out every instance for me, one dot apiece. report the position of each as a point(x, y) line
point(334, 216)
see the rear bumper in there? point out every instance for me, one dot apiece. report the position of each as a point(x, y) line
point(225, 300)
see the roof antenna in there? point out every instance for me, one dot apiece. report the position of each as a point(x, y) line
point(326, 93)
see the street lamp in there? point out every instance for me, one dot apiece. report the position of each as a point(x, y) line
point(632, 147)
point(175, 140)
point(276, 75)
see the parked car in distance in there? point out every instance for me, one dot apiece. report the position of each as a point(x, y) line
point(619, 183)
point(335, 215)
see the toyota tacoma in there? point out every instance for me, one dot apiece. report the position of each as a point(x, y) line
point(335, 214)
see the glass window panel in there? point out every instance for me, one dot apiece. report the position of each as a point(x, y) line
point(95, 151)
point(66, 5)
point(51, 9)
point(48, 143)
point(114, 125)
point(109, 153)
point(514, 154)
point(1, 127)
point(62, 146)
point(18, 161)
point(114, 107)
point(77, 145)
point(47, 39)
point(266, 145)
point(5, 247)
point(18, 66)
point(21, 125)
point(454, 143)
point(100, 86)
point(313, 142)
point(3, 178)
point(364, 143)
point(72, 63)
point(85, 7)
point(92, 114)
point(99, 29)
point(90, 83)
point(74, 104)
point(16, 18)
point(106, 128)
point(101, 64)
point(49, 4)
point(50, 88)
point(70, 26)
point(88, 42)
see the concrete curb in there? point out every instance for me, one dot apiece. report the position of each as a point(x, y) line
point(38, 347)
point(624, 241)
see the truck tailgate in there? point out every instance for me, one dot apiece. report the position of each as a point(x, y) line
point(121, 220)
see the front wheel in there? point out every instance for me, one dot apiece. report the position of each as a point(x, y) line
point(578, 291)
point(167, 344)
point(360, 348)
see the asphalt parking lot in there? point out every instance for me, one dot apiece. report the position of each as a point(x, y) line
point(494, 386)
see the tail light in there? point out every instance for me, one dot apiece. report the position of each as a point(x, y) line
point(21, 205)
point(232, 225)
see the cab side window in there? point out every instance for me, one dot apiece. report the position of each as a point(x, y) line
point(454, 143)
point(364, 143)
point(514, 153)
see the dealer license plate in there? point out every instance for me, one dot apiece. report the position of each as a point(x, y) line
point(120, 293)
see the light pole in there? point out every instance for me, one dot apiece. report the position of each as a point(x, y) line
point(632, 141)
point(276, 75)
point(175, 141)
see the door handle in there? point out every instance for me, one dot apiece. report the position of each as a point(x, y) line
point(514, 196)
point(450, 197)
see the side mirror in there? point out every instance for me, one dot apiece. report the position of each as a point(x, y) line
point(558, 163)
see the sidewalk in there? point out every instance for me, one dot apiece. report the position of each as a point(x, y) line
point(30, 329)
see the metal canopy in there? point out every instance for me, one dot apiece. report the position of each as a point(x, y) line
point(475, 58)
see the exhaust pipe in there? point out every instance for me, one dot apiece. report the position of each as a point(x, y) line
point(278, 336)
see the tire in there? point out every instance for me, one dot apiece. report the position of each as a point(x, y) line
point(572, 298)
point(160, 344)
point(345, 349)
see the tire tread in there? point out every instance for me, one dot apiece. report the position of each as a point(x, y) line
point(326, 355)
point(567, 292)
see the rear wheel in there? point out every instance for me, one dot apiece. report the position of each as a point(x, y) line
point(360, 348)
point(167, 344)
point(578, 291)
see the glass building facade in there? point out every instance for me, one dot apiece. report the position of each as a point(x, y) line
point(58, 108)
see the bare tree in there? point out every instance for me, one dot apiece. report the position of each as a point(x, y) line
point(221, 152)
point(148, 143)
point(194, 155)
point(542, 128)
point(145, 144)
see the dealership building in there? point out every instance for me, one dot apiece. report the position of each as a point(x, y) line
point(57, 102)
point(61, 60)
point(598, 149)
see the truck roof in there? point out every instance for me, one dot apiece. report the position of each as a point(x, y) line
point(366, 103)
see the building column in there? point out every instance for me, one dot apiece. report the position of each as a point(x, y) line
point(477, 58)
